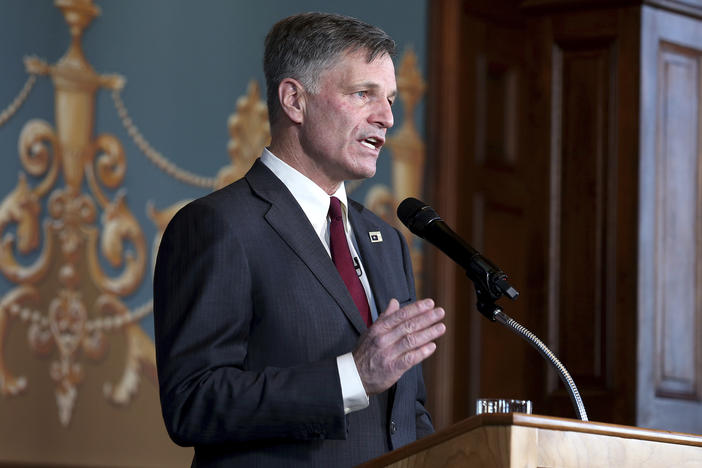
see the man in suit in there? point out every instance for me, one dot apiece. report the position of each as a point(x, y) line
point(269, 352)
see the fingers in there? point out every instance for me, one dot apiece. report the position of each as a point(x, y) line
point(401, 338)
point(394, 315)
point(415, 343)
point(412, 358)
point(410, 328)
point(393, 307)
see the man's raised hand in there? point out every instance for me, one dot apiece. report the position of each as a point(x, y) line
point(399, 339)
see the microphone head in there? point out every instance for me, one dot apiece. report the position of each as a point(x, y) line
point(408, 208)
point(416, 215)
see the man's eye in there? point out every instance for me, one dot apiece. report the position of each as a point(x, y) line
point(361, 94)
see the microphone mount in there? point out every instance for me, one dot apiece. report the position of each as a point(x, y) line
point(489, 281)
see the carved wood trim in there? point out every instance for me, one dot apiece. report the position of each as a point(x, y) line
point(691, 8)
point(581, 293)
point(444, 139)
point(497, 136)
point(677, 238)
point(669, 333)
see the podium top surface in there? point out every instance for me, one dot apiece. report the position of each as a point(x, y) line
point(540, 422)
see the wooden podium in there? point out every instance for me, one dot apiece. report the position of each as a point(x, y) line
point(521, 440)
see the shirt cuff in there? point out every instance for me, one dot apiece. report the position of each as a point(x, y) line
point(352, 390)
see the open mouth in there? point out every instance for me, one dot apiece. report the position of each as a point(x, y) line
point(373, 142)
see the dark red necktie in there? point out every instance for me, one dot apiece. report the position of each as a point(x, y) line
point(341, 256)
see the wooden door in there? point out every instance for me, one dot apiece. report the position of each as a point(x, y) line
point(537, 153)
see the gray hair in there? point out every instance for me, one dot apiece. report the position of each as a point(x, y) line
point(303, 46)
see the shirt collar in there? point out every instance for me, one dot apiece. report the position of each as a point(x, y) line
point(312, 199)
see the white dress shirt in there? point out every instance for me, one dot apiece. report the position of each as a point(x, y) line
point(315, 203)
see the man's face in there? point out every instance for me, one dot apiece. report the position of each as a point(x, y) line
point(344, 123)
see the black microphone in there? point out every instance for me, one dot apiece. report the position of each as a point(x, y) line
point(490, 282)
point(424, 222)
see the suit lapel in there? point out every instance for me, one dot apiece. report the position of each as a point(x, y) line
point(287, 218)
point(372, 255)
point(374, 261)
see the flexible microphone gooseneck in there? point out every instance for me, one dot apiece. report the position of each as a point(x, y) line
point(489, 281)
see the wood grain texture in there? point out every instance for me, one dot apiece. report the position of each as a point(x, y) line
point(574, 165)
point(445, 140)
point(584, 165)
point(670, 315)
point(519, 440)
point(677, 208)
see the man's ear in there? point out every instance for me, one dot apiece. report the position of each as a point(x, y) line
point(291, 94)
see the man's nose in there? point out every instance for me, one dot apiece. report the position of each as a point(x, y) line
point(383, 115)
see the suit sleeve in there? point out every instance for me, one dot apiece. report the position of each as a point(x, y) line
point(202, 311)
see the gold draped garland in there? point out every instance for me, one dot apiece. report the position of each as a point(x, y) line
point(17, 102)
point(158, 160)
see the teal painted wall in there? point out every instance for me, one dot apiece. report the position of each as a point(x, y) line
point(186, 63)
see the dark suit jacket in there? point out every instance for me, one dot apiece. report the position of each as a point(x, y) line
point(250, 316)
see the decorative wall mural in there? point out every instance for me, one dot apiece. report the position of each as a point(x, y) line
point(68, 299)
point(69, 214)
point(250, 133)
